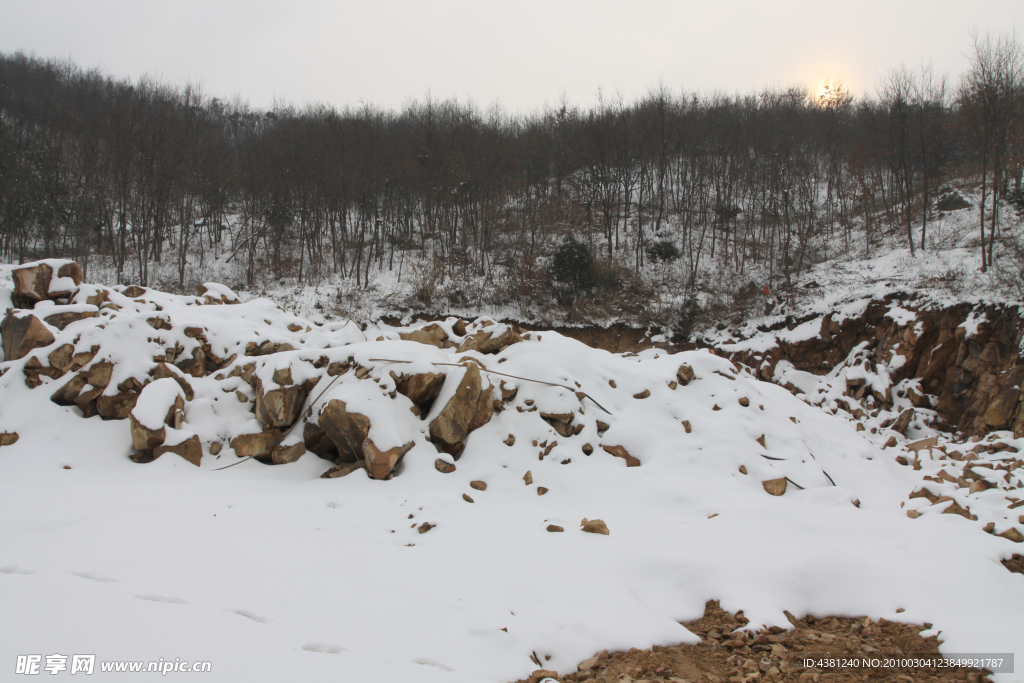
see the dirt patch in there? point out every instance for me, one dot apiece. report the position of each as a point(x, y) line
point(773, 655)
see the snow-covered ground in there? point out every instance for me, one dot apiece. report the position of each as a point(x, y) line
point(274, 573)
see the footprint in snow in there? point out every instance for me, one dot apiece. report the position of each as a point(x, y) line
point(13, 569)
point(161, 598)
point(93, 576)
point(250, 615)
point(327, 648)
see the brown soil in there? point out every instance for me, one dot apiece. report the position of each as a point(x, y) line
point(772, 655)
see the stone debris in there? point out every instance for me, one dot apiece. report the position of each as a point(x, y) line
point(775, 487)
point(594, 526)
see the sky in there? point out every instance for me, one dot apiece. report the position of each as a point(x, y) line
point(526, 54)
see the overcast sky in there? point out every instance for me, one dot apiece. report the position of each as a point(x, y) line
point(523, 53)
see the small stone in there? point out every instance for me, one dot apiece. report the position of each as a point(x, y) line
point(1012, 534)
point(510, 441)
point(554, 528)
point(611, 383)
point(621, 452)
point(8, 438)
point(191, 449)
point(541, 490)
point(594, 526)
point(687, 427)
point(528, 477)
point(478, 485)
point(425, 527)
point(743, 469)
point(643, 394)
point(215, 447)
point(443, 466)
point(684, 374)
point(672, 385)
point(913, 514)
point(761, 441)
point(715, 407)
point(891, 443)
point(744, 401)
point(466, 497)
point(587, 449)
point(775, 487)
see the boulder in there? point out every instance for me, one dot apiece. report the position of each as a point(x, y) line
point(903, 421)
point(258, 444)
point(379, 464)
point(279, 408)
point(343, 470)
point(31, 284)
point(1001, 408)
point(621, 452)
point(346, 430)
point(282, 455)
point(421, 389)
point(594, 526)
point(116, 407)
point(317, 441)
point(66, 394)
point(62, 319)
point(159, 405)
point(23, 333)
point(478, 485)
point(432, 335)
point(190, 449)
point(469, 408)
point(62, 357)
point(952, 202)
point(484, 341)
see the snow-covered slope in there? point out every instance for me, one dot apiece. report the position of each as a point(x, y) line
point(274, 573)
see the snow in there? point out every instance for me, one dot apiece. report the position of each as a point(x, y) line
point(155, 402)
point(273, 573)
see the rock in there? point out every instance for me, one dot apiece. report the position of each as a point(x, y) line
point(1012, 534)
point(484, 341)
point(432, 335)
point(554, 528)
point(891, 443)
point(318, 442)
point(346, 430)
point(587, 449)
point(425, 527)
point(21, 334)
point(279, 408)
point(478, 485)
point(775, 487)
point(66, 394)
point(743, 469)
point(343, 470)
point(64, 318)
point(687, 426)
point(133, 291)
point(469, 408)
point(643, 394)
point(31, 284)
point(594, 526)
point(528, 478)
point(744, 401)
point(379, 464)
point(903, 421)
point(282, 455)
point(510, 441)
point(508, 394)
point(761, 440)
point(421, 389)
point(258, 444)
point(62, 357)
point(952, 202)
point(190, 449)
point(930, 442)
point(443, 466)
point(621, 452)
point(602, 427)
point(8, 438)
point(684, 374)
point(466, 497)
point(158, 406)
point(215, 448)
point(1002, 407)
point(116, 407)
point(541, 490)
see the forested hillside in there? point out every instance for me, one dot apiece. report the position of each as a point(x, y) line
point(154, 184)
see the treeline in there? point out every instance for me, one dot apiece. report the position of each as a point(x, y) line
point(143, 173)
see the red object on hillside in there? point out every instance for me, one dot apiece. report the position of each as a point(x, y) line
point(766, 292)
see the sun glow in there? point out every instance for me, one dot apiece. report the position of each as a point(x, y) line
point(832, 94)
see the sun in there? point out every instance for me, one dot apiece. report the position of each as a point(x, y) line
point(832, 94)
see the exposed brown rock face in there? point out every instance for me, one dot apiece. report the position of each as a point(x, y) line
point(976, 381)
point(433, 335)
point(421, 389)
point(258, 444)
point(471, 407)
point(379, 464)
point(346, 430)
point(23, 333)
point(485, 341)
